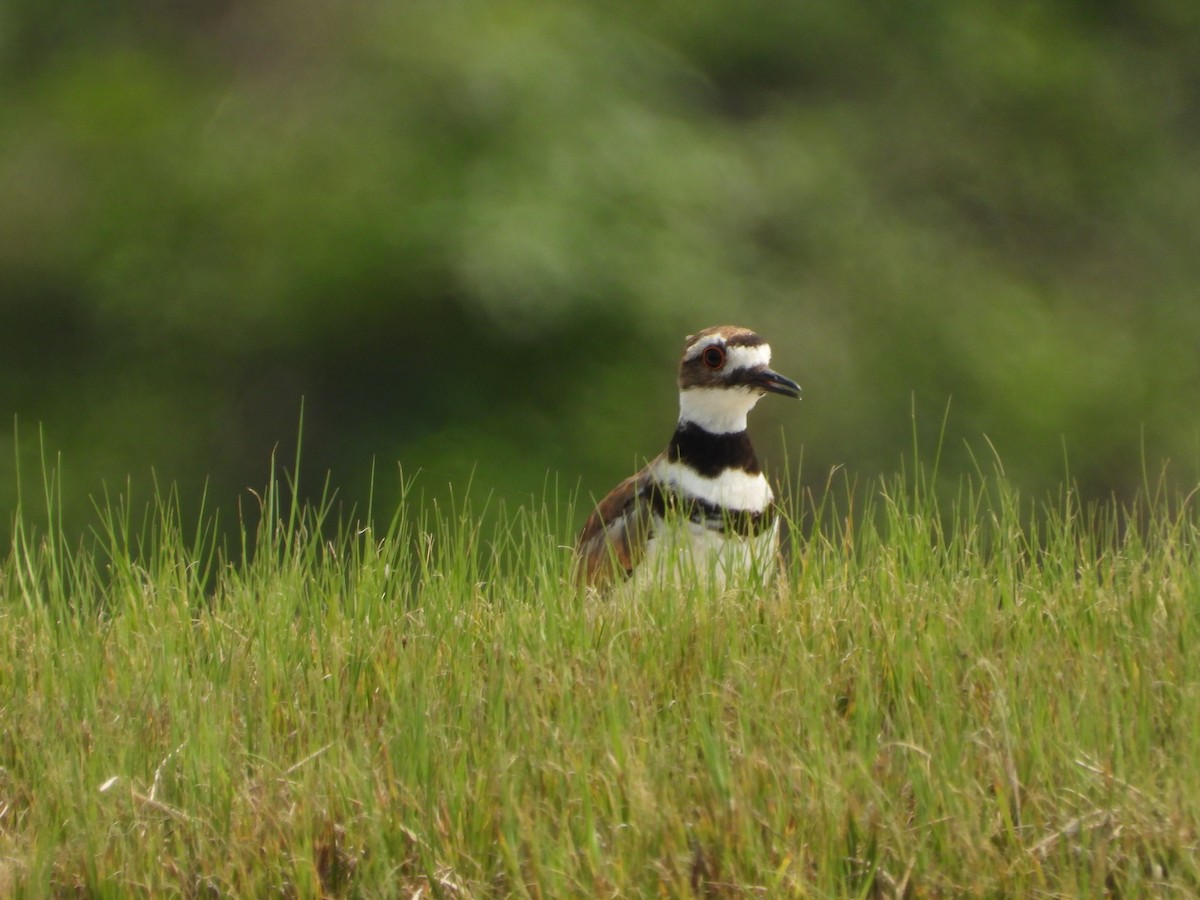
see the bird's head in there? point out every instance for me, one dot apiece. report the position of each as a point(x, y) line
point(723, 373)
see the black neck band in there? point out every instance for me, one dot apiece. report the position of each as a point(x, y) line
point(742, 522)
point(711, 454)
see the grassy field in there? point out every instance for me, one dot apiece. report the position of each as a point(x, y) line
point(954, 696)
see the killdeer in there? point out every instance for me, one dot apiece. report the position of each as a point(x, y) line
point(703, 504)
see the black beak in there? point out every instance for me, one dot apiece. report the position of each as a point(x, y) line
point(774, 383)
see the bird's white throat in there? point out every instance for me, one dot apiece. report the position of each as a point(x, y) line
point(718, 410)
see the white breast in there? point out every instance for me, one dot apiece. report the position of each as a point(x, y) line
point(686, 555)
point(733, 489)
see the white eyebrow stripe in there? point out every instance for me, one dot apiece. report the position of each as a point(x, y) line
point(748, 357)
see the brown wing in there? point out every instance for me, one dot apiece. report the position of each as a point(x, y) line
point(615, 534)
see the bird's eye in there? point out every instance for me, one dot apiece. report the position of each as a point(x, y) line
point(714, 357)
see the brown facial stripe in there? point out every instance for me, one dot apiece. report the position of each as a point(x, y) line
point(740, 522)
point(695, 374)
point(710, 454)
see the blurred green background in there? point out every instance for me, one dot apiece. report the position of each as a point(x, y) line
point(473, 235)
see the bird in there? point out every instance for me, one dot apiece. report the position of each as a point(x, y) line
point(703, 504)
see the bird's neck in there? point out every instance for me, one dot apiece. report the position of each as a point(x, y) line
point(710, 454)
point(710, 459)
point(717, 472)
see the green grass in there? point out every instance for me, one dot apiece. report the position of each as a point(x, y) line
point(950, 696)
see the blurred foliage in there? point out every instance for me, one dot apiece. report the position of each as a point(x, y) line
point(473, 235)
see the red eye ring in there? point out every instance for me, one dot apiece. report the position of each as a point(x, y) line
point(713, 357)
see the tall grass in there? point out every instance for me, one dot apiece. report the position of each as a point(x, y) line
point(947, 695)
